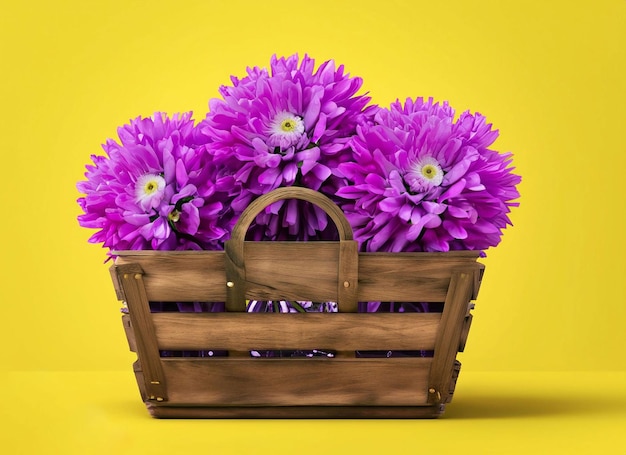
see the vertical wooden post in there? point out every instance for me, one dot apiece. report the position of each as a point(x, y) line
point(459, 294)
point(235, 276)
point(348, 276)
point(130, 278)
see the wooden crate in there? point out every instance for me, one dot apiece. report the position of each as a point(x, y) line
point(345, 386)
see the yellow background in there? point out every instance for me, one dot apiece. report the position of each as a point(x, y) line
point(549, 74)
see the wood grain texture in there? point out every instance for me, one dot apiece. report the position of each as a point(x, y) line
point(340, 387)
point(130, 333)
point(294, 412)
point(268, 331)
point(467, 323)
point(305, 194)
point(167, 410)
point(284, 382)
point(409, 277)
point(449, 334)
point(131, 281)
point(348, 277)
point(200, 275)
point(283, 270)
point(176, 276)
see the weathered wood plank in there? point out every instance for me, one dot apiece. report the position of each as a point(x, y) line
point(406, 277)
point(292, 270)
point(175, 276)
point(294, 412)
point(267, 331)
point(314, 382)
point(348, 277)
point(449, 335)
point(130, 333)
point(200, 276)
point(131, 282)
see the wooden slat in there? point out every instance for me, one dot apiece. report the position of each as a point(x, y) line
point(292, 270)
point(323, 382)
point(175, 276)
point(200, 276)
point(267, 331)
point(409, 277)
point(294, 412)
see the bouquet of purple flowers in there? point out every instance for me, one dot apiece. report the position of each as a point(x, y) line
point(409, 178)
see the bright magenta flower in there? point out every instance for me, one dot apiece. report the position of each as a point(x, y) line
point(155, 189)
point(287, 126)
point(424, 182)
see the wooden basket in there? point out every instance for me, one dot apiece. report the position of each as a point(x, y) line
point(345, 386)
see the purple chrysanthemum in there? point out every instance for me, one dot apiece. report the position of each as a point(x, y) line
point(155, 189)
point(289, 125)
point(424, 182)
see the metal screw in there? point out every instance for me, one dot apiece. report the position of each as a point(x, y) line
point(230, 284)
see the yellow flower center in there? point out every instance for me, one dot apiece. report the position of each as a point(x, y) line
point(429, 171)
point(174, 216)
point(150, 187)
point(288, 125)
point(424, 174)
point(149, 191)
point(285, 130)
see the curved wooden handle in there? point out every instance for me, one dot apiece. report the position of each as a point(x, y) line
point(293, 192)
point(348, 248)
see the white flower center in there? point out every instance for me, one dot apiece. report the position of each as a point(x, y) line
point(149, 191)
point(424, 174)
point(285, 130)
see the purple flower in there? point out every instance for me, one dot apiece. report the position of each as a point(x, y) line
point(290, 306)
point(289, 125)
point(424, 182)
point(155, 189)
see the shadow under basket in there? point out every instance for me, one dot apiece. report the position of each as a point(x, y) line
point(236, 385)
